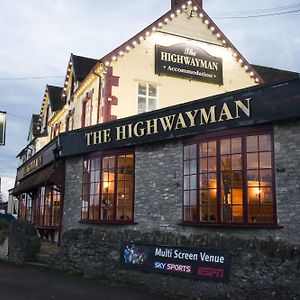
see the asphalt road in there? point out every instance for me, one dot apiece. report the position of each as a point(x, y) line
point(28, 283)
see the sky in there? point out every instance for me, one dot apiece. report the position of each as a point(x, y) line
point(38, 36)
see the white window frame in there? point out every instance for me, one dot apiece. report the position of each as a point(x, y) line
point(147, 97)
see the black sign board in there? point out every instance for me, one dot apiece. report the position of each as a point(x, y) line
point(203, 264)
point(2, 127)
point(39, 160)
point(188, 61)
point(250, 106)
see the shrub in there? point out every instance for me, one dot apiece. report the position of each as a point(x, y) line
point(4, 225)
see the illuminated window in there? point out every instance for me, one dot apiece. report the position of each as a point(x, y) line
point(229, 180)
point(48, 208)
point(25, 207)
point(108, 188)
point(147, 97)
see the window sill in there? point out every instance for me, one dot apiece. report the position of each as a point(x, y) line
point(97, 222)
point(235, 225)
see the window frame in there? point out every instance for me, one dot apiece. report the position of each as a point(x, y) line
point(87, 110)
point(25, 209)
point(147, 96)
point(43, 202)
point(100, 156)
point(69, 124)
point(218, 136)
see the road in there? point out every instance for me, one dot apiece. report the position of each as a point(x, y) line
point(29, 283)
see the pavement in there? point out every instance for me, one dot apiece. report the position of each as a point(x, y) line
point(31, 283)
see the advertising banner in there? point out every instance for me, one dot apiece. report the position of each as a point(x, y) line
point(2, 127)
point(202, 264)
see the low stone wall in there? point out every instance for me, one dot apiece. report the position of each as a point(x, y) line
point(260, 269)
point(23, 242)
point(3, 244)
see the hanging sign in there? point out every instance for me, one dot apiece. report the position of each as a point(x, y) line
point(203, 264)
point(188, 61)
point(2, 127)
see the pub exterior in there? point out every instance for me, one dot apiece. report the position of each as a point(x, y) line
point(172, 134)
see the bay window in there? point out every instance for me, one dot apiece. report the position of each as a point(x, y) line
point(48, 207)
point(228, 179)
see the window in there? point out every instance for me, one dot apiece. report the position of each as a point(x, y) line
point(47, 213)
point(25, 208)
point(55, 130)
point(147, 97)
point(86, 118)
point(108, 188)
point(70, 120)
point(229, 180)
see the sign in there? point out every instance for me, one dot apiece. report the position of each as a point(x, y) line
point(202, 264)
point(188, 61)
point(2, 127)
point(246, 107)
point(39, 160)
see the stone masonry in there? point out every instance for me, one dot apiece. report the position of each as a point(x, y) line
point(158, 190)
point(260, 269)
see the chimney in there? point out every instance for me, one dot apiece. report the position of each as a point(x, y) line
point(177, 2)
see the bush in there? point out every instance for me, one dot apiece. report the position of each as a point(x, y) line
point(4, 225)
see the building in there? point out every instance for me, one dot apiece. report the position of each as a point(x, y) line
point(122, 145)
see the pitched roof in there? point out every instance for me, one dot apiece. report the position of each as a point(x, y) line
point(272, 75)
point(82, 66)
point(55, 100)
point(197, 9)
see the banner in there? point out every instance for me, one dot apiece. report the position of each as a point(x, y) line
point(202, 264)
point(2, 127)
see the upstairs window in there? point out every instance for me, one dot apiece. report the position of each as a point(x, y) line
point(147, 97)
point(70, 120)
point(229, 180)
point(25, 208)
point(87, 108)
point(55, 130)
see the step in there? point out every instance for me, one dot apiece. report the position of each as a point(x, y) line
point(48, 248)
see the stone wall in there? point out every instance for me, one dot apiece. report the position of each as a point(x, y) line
point(23, 242)
point(260, 269)
point(287, 165)
point(72, 197)
point(158, 190)
point(3, 244)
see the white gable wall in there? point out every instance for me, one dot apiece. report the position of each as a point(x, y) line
point(139, 65)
